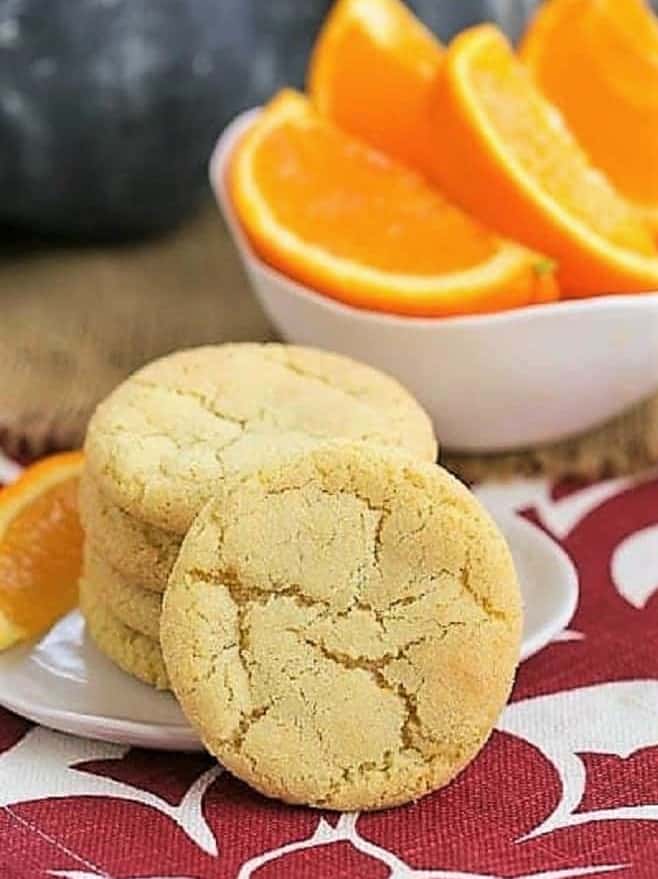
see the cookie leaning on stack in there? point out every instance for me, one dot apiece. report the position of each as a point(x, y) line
point(160, 445)
point(343, 627)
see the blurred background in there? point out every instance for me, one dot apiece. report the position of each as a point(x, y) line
point(109, 108)
point(110, 251)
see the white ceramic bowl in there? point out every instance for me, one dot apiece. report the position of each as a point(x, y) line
point(490, 382)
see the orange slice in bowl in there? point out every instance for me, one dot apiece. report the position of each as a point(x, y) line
point(332, 213)
point(597, 60)
point(372, 71)
point(503, 152)
point(40, 547)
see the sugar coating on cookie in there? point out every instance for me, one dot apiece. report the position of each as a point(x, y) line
point(159, 442)
point(133, 605)
point(142, 553)
point(132, 651)
point(343, 629)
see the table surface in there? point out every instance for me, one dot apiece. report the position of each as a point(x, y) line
point(567, 785)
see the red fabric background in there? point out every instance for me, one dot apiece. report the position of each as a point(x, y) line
point(475, 827)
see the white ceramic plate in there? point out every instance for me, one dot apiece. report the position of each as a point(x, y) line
point(490, 382)
point(64, 682)
point(548, 578)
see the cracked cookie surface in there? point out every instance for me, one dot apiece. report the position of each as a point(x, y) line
point(134, 606)
point(159, 442)
point(142, 553)
point(132, 651)
point(343, 628)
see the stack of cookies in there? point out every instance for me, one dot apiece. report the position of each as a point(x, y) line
point(267, 534)
point(159, 447)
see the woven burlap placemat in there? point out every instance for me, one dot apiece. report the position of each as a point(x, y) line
point(74, 322)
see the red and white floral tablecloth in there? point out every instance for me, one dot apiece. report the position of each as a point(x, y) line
point(566, 787)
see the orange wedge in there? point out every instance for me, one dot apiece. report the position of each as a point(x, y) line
point(503, 152)
point(597, 60)
point(40, 547)
point(372, 71)
point(350, 222)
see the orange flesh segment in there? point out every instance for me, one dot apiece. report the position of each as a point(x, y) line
point(372, 71)
point(539, 141)
point(333, 213)
point(635, 20)
point(598, 61)
point(502, 153)
point(41, 558)
point(356, 203)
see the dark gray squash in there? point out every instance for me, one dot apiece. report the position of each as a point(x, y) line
point(109, 108)
point(448, 18)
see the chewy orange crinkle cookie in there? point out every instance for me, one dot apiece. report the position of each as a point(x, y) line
point(343, 629)
point(134, 652)
point(161, 442)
